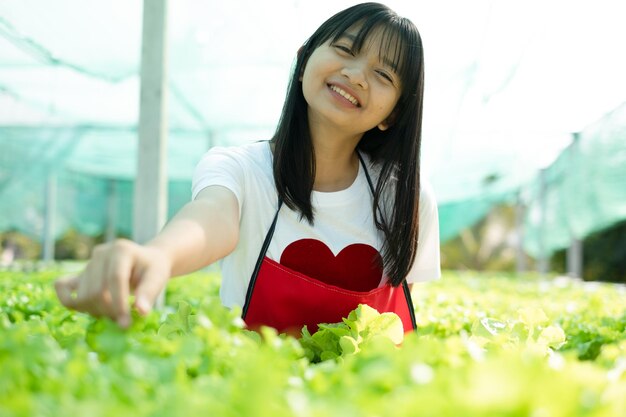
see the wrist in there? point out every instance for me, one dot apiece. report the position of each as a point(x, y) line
point(161, 255)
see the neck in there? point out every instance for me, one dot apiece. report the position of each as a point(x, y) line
point(336, 162)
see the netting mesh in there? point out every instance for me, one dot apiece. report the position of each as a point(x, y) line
point(500, 102)
point(583, 191)
point(93, 171)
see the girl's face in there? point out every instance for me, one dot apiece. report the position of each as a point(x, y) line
point(355, 92)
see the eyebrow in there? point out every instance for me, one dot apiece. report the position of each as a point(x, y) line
point(386, 61)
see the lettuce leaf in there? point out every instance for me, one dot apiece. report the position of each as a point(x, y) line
point(334, 340)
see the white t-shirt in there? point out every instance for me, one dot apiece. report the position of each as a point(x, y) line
point(343, 230)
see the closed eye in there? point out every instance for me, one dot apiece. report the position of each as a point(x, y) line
point(344, 49)
point(385, 76)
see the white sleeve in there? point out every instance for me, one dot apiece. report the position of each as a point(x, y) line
point(220, 166)
point(427, 265)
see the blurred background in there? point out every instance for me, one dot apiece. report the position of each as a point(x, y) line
point(524, 136)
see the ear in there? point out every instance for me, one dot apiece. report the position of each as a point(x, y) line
point(389, 121)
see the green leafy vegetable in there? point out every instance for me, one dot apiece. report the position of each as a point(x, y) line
point(363, 324)
point(485, 346)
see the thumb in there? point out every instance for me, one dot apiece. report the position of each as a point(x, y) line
point(65, 289)
point(147, 291)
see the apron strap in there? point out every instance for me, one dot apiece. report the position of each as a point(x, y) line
point(259, 261)
point(409, 301)
point(405, 285)
point(268, 239)
point(369, 179)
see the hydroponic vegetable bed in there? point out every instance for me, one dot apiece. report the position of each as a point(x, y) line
point(486, 346)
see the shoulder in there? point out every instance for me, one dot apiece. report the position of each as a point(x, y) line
point(258, 152)
point(233, 167)
point(252, 156)
point(427, 194)
point(426, 191)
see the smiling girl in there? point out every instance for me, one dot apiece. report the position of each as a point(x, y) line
point(328, 214)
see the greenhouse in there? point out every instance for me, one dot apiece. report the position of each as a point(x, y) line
point(106, 108)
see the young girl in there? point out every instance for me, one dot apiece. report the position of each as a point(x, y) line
point(329, 214)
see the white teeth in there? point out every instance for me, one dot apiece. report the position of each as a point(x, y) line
point(345, 95)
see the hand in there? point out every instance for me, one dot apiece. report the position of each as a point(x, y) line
point(115, 271)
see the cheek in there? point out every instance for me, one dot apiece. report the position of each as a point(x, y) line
point(306, 87)
point(395, 100)
point(307, 79)
point(389, 104)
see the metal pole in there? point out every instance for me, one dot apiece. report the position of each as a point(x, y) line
point(543, 261)
point(49, 226)
point(111, 232)
point(575, 258)
point(210, 142)
point(575, 250)
point(520, 258)
point(150, 194)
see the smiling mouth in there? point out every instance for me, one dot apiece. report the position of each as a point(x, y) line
point(345, 95)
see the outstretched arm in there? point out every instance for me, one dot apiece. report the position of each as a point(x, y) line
point(202, 232)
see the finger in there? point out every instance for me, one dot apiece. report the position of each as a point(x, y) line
point(120, 270)
point(89, 274)
point(92, 296)
point(149, 288)
point(91, 291)
point(66, 289)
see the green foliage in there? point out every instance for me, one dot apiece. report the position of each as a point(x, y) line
point(24, 247)
point(485, 346)
point(485, 245)
point(73, 245)
point(346, 338)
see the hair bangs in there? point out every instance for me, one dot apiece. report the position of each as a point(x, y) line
point(399, 46)
point(399, 42)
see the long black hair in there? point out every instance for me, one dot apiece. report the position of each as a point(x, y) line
point(396, 150)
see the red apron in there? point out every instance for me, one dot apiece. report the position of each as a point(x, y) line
point(286, 300)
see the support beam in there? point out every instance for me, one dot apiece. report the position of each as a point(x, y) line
point(210, 139)
point(49, 226)
point(575, 250)
point(520, 255)
point(543, 261)
point(111, 232)
point(575, 259)
point(150, 194)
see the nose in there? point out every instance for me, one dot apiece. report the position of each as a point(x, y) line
point(355, 73)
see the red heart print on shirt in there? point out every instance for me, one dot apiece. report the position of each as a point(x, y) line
point(358, 267)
